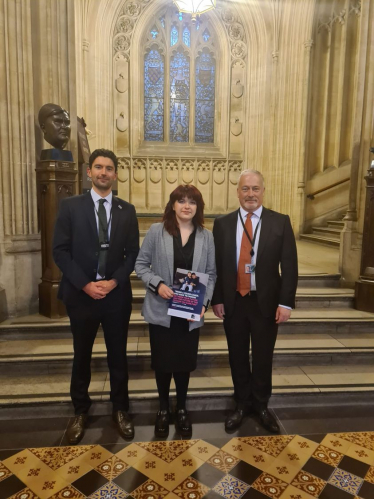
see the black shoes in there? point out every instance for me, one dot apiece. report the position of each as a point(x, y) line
point(234, 420)
point(183, 423)
point(75, 430)
point(268, 421)
point(124, 424)
point(162, 424)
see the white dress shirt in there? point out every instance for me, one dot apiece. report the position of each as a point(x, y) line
point(255, 219)
point(108, 208)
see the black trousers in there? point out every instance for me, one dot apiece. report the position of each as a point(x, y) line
point(113, 313)
point(248, 327)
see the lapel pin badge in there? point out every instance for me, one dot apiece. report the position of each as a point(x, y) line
point(120, 207)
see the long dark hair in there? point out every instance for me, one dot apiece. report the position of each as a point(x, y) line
point(181, 192)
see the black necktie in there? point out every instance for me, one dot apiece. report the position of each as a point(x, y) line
point(103, 238)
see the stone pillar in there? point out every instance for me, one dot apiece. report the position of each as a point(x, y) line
point(56, 180)
point(20, 241)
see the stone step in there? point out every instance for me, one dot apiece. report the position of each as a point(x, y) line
point(320, 240)
point(305, 321)
point(332, 233)
point(312, 297)
point(336, 223)
point(207, 387)
point(53, 356)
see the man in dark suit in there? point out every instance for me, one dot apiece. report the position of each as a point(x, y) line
point(251, 296)
point(96, 242)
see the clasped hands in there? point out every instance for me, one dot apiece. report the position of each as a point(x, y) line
point(98, 290)
point(167, 293)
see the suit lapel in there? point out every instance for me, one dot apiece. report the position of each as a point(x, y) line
point(199, 241)
point(89, 208)
point(116, 209)
point(169, 251)
point(265, 231)
point(232, 222)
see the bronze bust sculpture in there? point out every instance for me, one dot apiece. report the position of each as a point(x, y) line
point(55, 123)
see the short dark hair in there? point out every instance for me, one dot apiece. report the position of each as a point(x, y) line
point(105, 153)
point(181, 192)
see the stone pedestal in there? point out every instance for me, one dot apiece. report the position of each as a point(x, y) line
point(56, 180)
point(364, 295)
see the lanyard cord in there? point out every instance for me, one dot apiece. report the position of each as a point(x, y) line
point(252, 242)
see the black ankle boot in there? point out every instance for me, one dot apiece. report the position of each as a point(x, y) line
point(162, 423)
point(183, 423)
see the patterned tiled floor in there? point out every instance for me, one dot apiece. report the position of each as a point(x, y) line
point(337, 466)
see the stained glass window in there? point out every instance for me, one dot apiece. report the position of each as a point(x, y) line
point(154, 96)
point(173, 36)
point(179, 97)
point(154, 32)
point(178, 48)
point(206, 35)
point(186, 36)
point(204, 99)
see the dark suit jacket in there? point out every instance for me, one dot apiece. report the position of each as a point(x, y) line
point(276, 247)
point(76, 245)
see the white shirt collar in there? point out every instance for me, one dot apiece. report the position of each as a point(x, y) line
point(96, 197)
point(257, 212)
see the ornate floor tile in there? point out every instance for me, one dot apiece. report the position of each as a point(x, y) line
point(292, 492)
point(203, 450)
point(308, 483)
point(191, 488)
point(364, 439)
point(231, 487)
point(132, 454)
point(109, 490)
point(68, 492)
point(149, 490)
point(346, 481)
point(17, 462)
point(272, 446)
point(333, 441)
point(96, 455)
point(301, 445)
point(285, 471)
point(361, 453)
point(327, 455)
point(46, 485)
point(369, 477)
point(169, 475)
point(4, 472)
point(74, 470)
point(269, 485)
point(223, 461)
point(112, 467)
point(25, 494)
point(55, 457)
point(169, 450)
point(293, 457)
point(249, 454)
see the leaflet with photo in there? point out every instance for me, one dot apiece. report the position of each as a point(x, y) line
point(189, 291)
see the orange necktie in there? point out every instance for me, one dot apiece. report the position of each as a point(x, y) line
point(244, 280)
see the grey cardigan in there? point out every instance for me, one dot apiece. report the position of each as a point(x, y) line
point(155, 263)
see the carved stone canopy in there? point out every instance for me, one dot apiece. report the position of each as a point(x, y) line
point(55, 124)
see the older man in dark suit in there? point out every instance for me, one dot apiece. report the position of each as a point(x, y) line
point(95, 245)
point(251, 296)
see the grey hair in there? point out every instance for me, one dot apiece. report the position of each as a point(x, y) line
point(251, 172)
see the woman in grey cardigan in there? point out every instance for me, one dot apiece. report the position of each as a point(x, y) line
point(180, 241)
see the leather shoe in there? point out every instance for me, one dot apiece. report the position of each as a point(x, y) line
point(124, 424)
point(162, 424)
point(268, 421)
point(75, 430)
point(183, 423)
point(234, 420)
